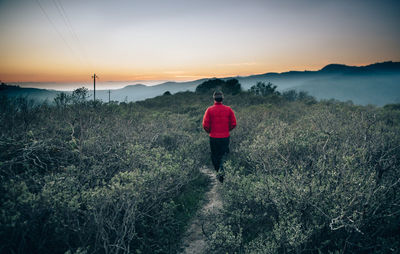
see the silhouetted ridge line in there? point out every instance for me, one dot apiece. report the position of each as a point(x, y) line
point(377, 67)
point(376, 84)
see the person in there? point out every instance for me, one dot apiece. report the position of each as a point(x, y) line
point(218, 121)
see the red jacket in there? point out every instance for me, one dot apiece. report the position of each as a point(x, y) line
point(219, 120)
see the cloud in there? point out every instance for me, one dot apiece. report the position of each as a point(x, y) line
point(189, 76)
point(239, 64)
point(173, 72)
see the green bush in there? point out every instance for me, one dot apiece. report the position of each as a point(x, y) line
point(230, 86)
point(264, 89)
point(89, 177)
point(322, 180)
point(302, 176)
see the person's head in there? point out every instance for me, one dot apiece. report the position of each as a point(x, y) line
point(218, 96)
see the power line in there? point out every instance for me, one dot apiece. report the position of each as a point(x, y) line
point(71, 29)
point(68, 25)
point(54, 27)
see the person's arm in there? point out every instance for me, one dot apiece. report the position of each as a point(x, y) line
point(232, 121)
point(207, 122)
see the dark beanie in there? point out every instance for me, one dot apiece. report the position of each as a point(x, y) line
point(218, 96)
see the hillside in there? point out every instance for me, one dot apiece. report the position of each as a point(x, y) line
point(376, 84)
point(302, 176)
point(33, 93)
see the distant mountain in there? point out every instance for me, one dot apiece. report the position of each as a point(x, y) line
point(384, 67)
point(141, 92)
point(33, 93)
point(377, 84)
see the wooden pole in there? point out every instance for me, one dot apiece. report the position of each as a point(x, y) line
point(94, 86)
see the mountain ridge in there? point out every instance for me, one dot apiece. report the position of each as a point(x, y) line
point(377, 83)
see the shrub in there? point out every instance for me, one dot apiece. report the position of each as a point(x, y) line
point(323, 181)
point(231, 86)
point(264, 89)
point(93, 177)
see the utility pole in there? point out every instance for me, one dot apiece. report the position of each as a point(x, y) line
point(94, 86)
point(109, 92)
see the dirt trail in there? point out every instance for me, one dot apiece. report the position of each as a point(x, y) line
point(194, 241)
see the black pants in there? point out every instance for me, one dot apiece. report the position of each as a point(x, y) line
point(219, 150)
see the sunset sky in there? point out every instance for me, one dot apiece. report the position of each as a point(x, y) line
point(68, 40)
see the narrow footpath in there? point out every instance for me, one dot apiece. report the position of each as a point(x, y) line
point(194, 241)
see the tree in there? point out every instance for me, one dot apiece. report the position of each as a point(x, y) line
point(62, 99)
point(231, 86)
point(290, 95)
point(209, 85)
point(80, 95)
point(264, 89)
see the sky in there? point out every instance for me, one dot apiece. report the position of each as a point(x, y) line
point(48, 41)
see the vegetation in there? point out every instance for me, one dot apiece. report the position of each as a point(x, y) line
point(97, 178)
point(302, 177)
point(230, 86)
point(320, 178)
point(264, 89)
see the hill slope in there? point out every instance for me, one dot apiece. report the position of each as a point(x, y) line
point(377, 84)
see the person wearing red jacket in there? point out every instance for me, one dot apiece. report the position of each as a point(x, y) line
point(218, 121)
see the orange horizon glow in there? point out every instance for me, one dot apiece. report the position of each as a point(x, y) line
point(64, 76)
point(189, 40)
